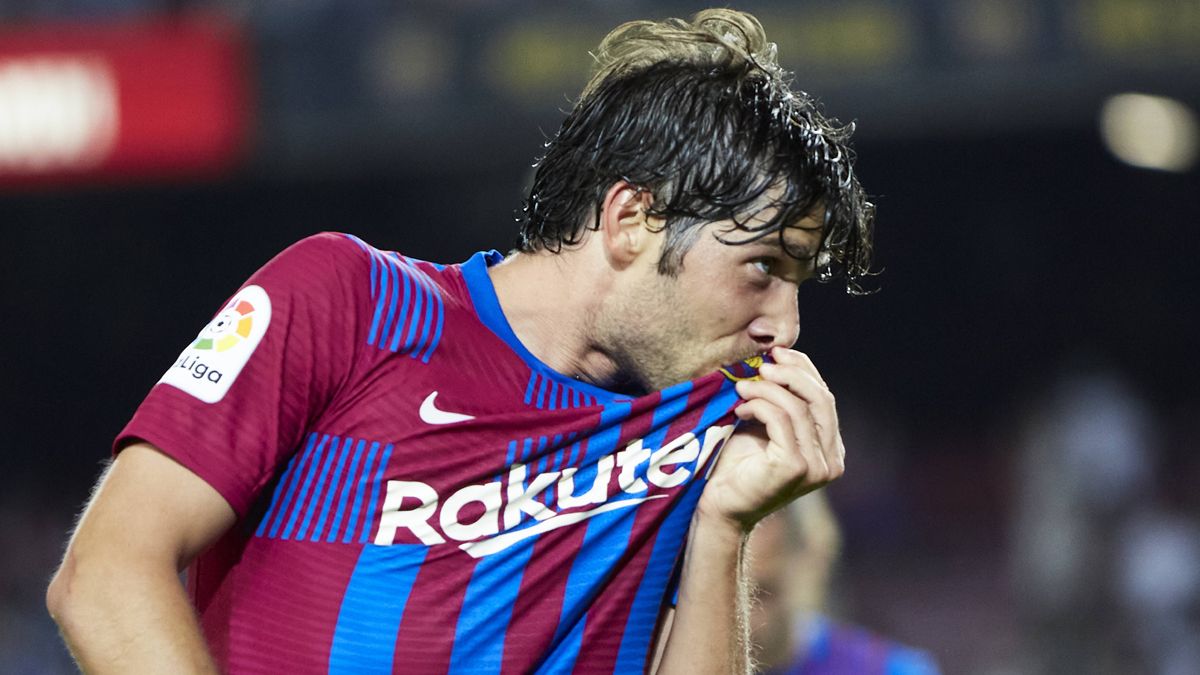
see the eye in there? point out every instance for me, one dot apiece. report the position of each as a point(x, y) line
point(763, 265)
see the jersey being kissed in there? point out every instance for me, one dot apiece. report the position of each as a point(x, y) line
point(416, 492)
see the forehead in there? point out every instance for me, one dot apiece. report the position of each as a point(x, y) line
point(799, 239)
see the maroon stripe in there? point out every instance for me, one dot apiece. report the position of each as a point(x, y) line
point(276, 611)
point(539, 600)
point(426, 636)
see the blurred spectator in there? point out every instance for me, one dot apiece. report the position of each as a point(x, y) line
point(792, 558)
point(31, 530)
point(1107, 578)
point(1158, 587)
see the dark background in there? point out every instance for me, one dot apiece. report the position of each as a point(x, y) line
point(1032, 284)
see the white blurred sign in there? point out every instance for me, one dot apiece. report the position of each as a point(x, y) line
point(56, 113)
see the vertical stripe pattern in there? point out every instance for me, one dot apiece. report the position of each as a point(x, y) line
point(593, 559)
point(643, 615)
point(329, 491)
point(364, 638)
point(409, 311)
point(545, 393)
point(487, 610)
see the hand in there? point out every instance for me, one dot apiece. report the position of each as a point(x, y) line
point(788, 445)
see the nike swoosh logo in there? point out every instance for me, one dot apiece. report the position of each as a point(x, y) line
point(431, 415)
point(486, 547)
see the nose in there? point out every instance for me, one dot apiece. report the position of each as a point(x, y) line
point(778, 324)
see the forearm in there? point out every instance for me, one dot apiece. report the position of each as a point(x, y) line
point(709, 632)
point(122, 619)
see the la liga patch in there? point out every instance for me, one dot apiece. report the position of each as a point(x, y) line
point(208, 366)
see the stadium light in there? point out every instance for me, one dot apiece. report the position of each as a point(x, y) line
point(1151, 132)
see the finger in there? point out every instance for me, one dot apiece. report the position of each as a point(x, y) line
point(823, 407)
point(804, 428)
point(796, 358)
point(774, 419)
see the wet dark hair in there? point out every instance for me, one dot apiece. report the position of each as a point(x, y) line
point(716, 138)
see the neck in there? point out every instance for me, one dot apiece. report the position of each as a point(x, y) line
point(551, 301)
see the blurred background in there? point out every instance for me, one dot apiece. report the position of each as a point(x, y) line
point(1020, 398)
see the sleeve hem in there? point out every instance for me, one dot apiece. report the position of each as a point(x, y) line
point(174, 448)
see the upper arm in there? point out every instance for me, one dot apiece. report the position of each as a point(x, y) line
point(239, 399)
point(148, 508)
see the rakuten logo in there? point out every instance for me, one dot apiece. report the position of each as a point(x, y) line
point(417, 507)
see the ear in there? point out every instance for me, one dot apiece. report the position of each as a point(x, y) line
point(626, 228)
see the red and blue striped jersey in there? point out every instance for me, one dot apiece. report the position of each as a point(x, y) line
point(828, 648)
point(416, 492)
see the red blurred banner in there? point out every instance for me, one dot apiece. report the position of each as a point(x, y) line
point(83, 102)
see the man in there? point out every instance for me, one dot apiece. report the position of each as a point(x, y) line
point(370, 463)
point(792, 557)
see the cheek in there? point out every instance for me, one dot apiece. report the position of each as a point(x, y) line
point(730, 305)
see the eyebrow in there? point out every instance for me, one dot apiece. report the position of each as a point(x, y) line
point(800, 251)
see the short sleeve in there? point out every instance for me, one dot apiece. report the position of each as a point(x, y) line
point(236, 402)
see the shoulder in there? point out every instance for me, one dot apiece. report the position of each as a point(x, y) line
point(325, 250)
point(340, 259)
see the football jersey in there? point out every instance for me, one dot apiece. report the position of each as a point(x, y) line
point(415, 491)
point(829, 648)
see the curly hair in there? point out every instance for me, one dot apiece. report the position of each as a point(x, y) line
point(701, 115)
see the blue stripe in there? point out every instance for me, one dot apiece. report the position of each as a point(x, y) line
point(346, 485)
point(541, 454)
point(721, 404)
point(512, 453)
point(487, 610)
point(429, 308)
point(312, 471)
point(290, 491)
point(364, 638)
point(525, 450)
point(574, 453)
point(388, 326)
point(369, 518)
point(383, 283)
point(551, 492)
point(552, 398)
point(603, 440)
point(562, 659)
point(312, 504)
point(437, 334)
point(672, 404)
point(533, 378)
point(643, 615)
point(272, 510)
point(413, 319)
point(433, 313)
point(559, 451)
point(343, 454)
point(541, 395)
point(602, 542)
point(360, 487)
point(404, 318)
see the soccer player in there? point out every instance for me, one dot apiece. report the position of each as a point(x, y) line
point(792, 558)
point(370, 463)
